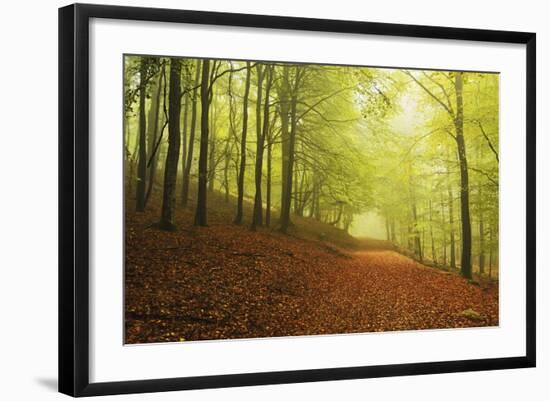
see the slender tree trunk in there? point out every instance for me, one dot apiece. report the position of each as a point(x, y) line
point(285, 207)
point(229, 142)
point(481, 230)
point(268, 182)
point(490, 250)
point(212, 145)
point(242, 166)
point(172, 157)
point(465, 260)
point(142, 161)
point(443, 232)
point(227, 158)
point(152, 133)
point(263, 132)
point(451, 229)
point(417, 241)
point(189, 158)
point(417, 246)
point(295, 192)
point(200, 212)
point(434, 256)
point(284, 110)
point(184, 140)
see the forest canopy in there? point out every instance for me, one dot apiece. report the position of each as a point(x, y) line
point(279, 141)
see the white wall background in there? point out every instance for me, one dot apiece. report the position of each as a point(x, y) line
point(28, 199)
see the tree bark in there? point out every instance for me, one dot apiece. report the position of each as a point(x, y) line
point(268, 182)
point(465, 260)
point(451, 229)
point(142, 161)
point(261, 131)
point(284, 111)
point(172, 157)
point(200, 212)
point(481, 233)
point(212, 145)
point(152, 133)
point(242, 166)
point(184, 139)
point(192, 128)
point(434, 256)
point(285, 207)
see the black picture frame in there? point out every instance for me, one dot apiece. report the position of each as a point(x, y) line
point(74, 198)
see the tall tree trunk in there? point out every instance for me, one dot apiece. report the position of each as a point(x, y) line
point(443, 232)
point(434, 256)
point(152, 132)
point(142, 161)
point(465, 260)
point(284, 111)
point(172, 157)
point(189, 159)
point(242, 166)
point(212, 145)
point(285, 207)
point(261, 135)
point(452, 229)
point(295, 192)
point(184, 139)
point(481, 234)
point(200, 212)
point(416, 232)
point(490, 250)
point(230, 140)
point(317, 204)
point(268, 181)
point(417, 246)
point(227, 158)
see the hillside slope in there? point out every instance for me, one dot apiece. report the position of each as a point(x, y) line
point(225, 281)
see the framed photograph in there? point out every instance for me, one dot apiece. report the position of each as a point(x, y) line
point(250, 199)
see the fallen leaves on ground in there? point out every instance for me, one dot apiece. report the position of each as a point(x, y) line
point(225, 281)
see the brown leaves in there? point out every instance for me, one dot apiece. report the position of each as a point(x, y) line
point(224, 281)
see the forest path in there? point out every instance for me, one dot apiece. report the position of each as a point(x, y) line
point(381, 289)
point(225, 281)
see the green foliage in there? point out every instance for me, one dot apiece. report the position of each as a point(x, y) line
point(366, 140)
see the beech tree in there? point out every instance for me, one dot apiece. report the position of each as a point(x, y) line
point(334, 144)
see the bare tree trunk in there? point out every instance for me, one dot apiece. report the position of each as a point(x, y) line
point(242, 167)
point(184, 139)
point(152, 133)
point(263, 132)
point(189, 159)
point(443, 232)
point(172, 157)
point(434, 256)
point(417, 241)
point(481, 234)
point(490, 250)
point(451, 229)
point(285, 207)
point(465, 260)
point(212, 145)
point(200, 212)
point(268, 182)
point(284, 111)
point(142, 161)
